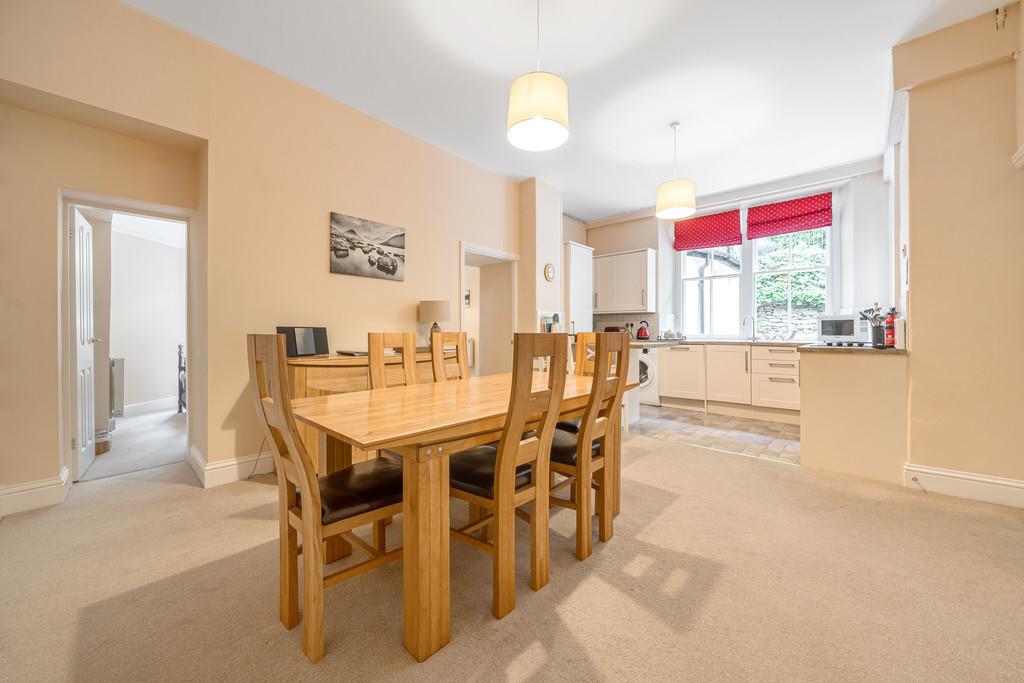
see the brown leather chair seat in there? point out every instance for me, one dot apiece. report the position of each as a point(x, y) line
point(354, 490)
point(572, 426)
point(563, 447)
point(472, 471)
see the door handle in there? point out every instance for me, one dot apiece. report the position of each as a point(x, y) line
point(643, 297)
point(788, 380)
point(781, 351)
point(595, 299)
point(746, 361)
point(94, 340)
point(782, 365)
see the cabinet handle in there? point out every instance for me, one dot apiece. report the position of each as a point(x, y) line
point(781, 350)
point(788, 380)
point(746, 361)
point(680, 348)
point(643, 297)
point(782, 365)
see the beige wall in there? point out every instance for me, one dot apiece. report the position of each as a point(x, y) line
point(280, 158)
point(966, 239)
point(147, 316)
point(573, 230)
point(640, 233)
point(494, 354)
point(51, 154)
point(540, 237)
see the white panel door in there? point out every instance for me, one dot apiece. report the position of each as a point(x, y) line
point(681, 371)
point(85, 413)
point(728, 368)
point(579, 267)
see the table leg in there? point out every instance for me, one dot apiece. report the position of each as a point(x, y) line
point(426, 591)
point(335, 455)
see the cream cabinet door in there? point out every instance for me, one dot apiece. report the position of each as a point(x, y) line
point(777, 390)
point(681, 371)
point(728, 368)
point(604, 289)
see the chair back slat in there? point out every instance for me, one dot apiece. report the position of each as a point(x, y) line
point(611, 363)
point(404, 343)
point(583, 363)
point(271, 394)
point(526, 404)
point(439, 342)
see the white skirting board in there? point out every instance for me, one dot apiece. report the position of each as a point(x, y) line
point(34, 494)
point(151, 406)
point(983, 487)
point(221, 472)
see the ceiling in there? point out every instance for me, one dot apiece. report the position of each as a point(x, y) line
point(763, 89)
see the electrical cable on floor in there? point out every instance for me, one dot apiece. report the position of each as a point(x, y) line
point(258, 454)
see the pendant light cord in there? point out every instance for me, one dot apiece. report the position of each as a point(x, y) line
point(538, 35)
point(675, 149)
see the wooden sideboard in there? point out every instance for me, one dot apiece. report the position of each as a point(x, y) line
point(322, 375)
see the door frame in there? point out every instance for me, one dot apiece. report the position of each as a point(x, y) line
point(498, 254)
point(66, 345)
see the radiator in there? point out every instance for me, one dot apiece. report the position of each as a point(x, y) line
point(117, 387)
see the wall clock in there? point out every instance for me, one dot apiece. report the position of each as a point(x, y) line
point(549, 272)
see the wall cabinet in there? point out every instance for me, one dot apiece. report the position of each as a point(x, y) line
point(579, 287)
point(625, 282)
point(681, 371)
point(728, 372)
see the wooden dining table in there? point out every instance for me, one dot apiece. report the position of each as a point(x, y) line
point(425, 424)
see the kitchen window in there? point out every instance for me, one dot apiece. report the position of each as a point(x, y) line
point(775, 284)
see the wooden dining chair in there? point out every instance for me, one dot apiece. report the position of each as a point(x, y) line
point(583, 365)
point(318, 508)
point(439, 342)
point(588, 456)
point(384, 374)
point(497, 479)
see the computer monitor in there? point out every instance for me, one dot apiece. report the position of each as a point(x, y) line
point(304, 341)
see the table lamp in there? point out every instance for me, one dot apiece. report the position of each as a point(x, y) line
point(434, 311)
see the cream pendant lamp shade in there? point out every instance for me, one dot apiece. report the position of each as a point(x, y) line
point(538, 112)
point(677, 198)
point(538, 108)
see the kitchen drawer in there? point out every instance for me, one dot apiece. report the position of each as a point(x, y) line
point(776, 391)
point(777, 366)
point(774, 352)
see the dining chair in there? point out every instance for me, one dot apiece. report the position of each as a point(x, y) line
point(439, 341)
point(500, 478)
point(382, 373)
point(583, 365)
point(317, 508)
point(588, 454)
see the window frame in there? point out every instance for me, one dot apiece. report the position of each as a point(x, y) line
point(747, 323)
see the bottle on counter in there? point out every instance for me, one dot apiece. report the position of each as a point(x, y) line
point(890, 329)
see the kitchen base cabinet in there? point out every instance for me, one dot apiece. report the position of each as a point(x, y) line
point(728, 373)
point(776, 391)
point(681, 371)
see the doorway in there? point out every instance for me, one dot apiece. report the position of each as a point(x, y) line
point(488, 307)
point(126, 321)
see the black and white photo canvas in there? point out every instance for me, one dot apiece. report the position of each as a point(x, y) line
point(366, 248)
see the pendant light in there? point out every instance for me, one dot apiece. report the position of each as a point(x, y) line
point(677, 198)
point(538, 108)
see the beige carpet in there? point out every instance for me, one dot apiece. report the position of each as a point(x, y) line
point(141, 442)
point(722, 569)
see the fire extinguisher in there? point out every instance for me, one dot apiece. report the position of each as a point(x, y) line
point(890, 329)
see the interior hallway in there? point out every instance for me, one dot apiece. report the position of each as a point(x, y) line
point(141, 442)
point(722, 569)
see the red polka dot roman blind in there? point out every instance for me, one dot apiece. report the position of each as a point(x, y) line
point(806, 213)
point(704, 232)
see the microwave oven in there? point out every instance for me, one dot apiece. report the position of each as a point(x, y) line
point(844, 330)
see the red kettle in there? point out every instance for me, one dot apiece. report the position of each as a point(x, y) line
point(644, 331)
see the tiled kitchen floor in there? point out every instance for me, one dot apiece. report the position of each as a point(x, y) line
point(753, 438)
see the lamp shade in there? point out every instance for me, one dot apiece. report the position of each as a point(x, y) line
point(538, 112)
point(676, 199)
point(435, 311)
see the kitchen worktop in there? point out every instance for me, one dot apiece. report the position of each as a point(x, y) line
point(652, 343)
point(741, 342)
point(850, 349)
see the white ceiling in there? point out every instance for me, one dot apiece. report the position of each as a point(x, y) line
point(764, 89)
point(170, 233)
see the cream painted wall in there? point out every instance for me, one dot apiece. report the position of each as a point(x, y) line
point(573, 230)
point(640, 233)
point(966, 239)
point(540, 237)
point(147, 315)
point(471, 313)
point(51, 154)
point(495, 351)
point(280, 158)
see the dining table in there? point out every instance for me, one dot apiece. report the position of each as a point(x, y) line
point(425, 424)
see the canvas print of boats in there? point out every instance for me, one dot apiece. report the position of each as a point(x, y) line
point(366, 248)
